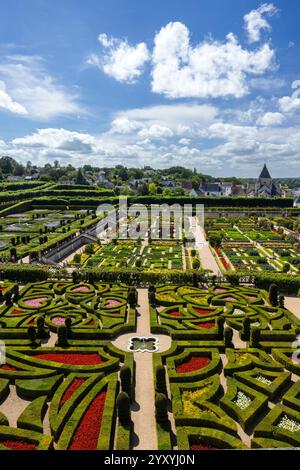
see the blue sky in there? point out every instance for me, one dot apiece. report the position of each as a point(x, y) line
point(198, 83)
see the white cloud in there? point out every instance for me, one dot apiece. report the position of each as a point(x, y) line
point(267, 84)
point(156, 132)
point(289, 104)
point(171, 116)
point(29, 85)
point(123, 125)
point(184, 141)
point(270, 119)
point(7, 103)
point(210, 69)
point(163, 121)
point(59, 139)
point(121, 60)
point(223, 148)
point(255, 21)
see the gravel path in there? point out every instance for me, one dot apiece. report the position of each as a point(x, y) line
point(143, 413)
point(207, 259)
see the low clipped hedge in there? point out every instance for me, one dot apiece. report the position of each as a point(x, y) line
point(244, 416)
point(105, 440)
point(42, 441)
point(32, 417)
point(268, 427)
point(208, 436)
point(193, 376)
point(292, 397)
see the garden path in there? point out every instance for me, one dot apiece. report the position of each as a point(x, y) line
point(13, 406)
point(143, 413)
point(207, 259)
point(292, 303)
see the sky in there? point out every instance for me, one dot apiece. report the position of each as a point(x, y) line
point(206, 84)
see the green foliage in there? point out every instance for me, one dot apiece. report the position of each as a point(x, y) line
point(125, 378)
point(161, 385)
point(161, 407)
point(123, 407)
point(273, 295)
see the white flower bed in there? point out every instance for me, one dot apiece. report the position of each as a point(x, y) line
point(264, 380)
point(242, 400)
point(237, 311)
point(289, 424)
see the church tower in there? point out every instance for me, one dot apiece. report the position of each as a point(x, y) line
point(265, 177)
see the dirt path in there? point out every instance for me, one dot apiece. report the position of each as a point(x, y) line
point(143, 412)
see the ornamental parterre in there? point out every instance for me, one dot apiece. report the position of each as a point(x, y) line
point(64, 359)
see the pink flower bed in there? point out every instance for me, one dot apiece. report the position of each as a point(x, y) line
point(81, 289)
point(112, 303)
point(230, 299)
point(219, 290)
point(87, 433)
point(92, 359)
point(58, 321)
point(192, 364)
point(38, 302)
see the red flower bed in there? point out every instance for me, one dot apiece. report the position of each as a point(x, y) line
point(17, 445)
point(224, 262)
point(87, 433)
point(175, 314)
point(76, 383)
point(203, 311)
point(192, 364)
point(16, 311)
point(7, 367)
point(75, 359)
point(200, 446)
point(208, 325)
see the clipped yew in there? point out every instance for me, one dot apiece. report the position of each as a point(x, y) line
point(125, 378)
point(161, 407)
point(62, 337)
point(123, 407)
point(246, 331)
point(228, 334)
point(273, 295)
point(41, 331)
point(161, 385)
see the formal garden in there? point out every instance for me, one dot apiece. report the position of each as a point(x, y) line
point(156, 255)
point(228, 380)
point(24, 233)
point(252, 244)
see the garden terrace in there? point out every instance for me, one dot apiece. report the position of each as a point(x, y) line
point(29, 231)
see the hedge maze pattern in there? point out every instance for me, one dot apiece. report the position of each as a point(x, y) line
point(230, 376)
point(233, 382)
point(74, 382)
